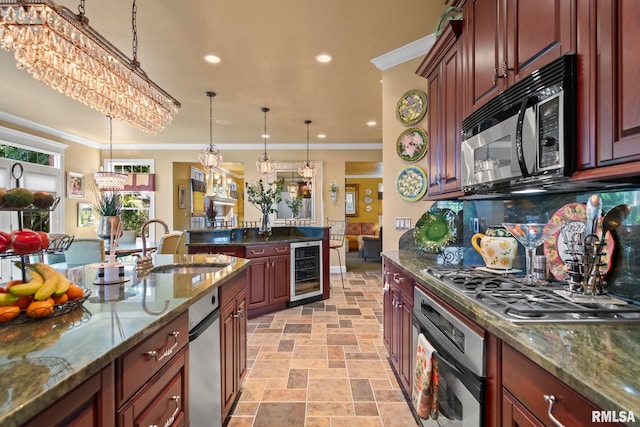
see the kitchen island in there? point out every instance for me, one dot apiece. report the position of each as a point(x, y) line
point(597, 360)
point(43, 360)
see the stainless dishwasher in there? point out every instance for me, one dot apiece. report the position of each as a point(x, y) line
point(205, 396)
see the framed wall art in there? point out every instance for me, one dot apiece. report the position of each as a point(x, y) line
point(351, 200)
point(75, 185)
point(182, 196)
point(85, 214)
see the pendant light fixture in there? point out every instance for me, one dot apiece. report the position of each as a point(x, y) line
point(210, 156)
point(308, 171)
point(264, 165)
point(110, 181)
point(58, 47)
point(292, 188)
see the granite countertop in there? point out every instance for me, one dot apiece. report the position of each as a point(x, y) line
point(250, 237)
point(42, 360)
point(601, 361)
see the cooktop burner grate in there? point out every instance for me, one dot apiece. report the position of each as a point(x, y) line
point(513, 299)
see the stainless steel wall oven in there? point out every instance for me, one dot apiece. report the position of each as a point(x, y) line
point(460, 356)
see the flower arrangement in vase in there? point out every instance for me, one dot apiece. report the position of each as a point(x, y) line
point(265, 196)
point(294, 204)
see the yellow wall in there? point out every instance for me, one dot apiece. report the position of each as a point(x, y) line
point(376, 211)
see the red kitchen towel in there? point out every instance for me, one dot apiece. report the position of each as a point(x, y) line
point(423, 393)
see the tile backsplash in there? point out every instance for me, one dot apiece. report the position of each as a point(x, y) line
point(623, 278)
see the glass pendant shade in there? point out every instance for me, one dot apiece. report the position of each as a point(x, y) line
point(264, 165)
point(307, 172)
point(106, 180)
point(210, 156)
point(292, 189)
point(58, 47)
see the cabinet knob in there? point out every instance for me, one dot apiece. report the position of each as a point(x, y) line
point(551, 400)
point(239, 314)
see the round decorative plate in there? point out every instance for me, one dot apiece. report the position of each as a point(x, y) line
point(411, 107)
point(367, 191)
point(368, 208)
point(435, 229)
point(412, 144)
point(368, 199)
point(572, 216)
point(411, 183)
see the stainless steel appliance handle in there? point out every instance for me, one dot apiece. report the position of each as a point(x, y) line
point(551, 400)
point(526, 103)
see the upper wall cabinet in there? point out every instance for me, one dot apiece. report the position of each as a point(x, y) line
point(443, 69)
point(509, 39)
point(614, 131)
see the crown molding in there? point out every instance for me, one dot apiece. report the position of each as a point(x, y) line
point(404, 53)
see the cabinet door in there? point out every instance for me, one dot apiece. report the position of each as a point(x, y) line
point(618, 92)
point(515, 415)
point(241, 320)
point(406, 334)
point(396, 327)
point(228, 356)
point(387, 313)
point(258, 274)
point(280, 278)
point(538, 31)
point(484, 56)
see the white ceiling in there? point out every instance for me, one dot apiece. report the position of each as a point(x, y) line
point(267, 50)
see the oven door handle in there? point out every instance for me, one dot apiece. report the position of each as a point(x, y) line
point(526, 103)
point(473, 383)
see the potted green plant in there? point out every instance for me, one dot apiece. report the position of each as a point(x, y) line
point(133, 216)
point(109, 206)
point(294, 204)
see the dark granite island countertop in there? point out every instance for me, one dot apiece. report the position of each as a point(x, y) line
point(74, 346)
point(601, 361)
point(249, 236)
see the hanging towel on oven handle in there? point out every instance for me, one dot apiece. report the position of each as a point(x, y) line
point(425, 388)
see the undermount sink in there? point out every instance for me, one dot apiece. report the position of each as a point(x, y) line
point(188, 268)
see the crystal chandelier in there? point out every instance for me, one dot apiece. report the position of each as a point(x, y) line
point(59, 48)
point(110, 181)
point(307, 172)
point(210, 156)
point(264, 165)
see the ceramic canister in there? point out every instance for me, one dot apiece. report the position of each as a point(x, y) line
point(497, 247)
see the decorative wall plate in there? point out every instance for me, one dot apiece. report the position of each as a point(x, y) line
point(435, 230)
point(412, 144)
point(367, 191)
point(411, 183)
point(368, 208)
point(368, 199)
point(411, 107)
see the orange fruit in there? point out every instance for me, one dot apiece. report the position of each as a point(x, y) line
point(42, 308)
point(60, 299)
point(74, 292)
point(9, 312)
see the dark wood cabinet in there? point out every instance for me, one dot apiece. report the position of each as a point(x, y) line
point(269, 277)
point(443, 68)
point(398, 311)
point(508, 40)
point(609, 121)
point(90, 404)
point(525, 386)
point(233, 341)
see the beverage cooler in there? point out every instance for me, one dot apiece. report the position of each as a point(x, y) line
point(306, 271)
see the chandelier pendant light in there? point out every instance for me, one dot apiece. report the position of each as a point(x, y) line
point(210, 156)
point(308, 171)
point(59, 48)
point(264, 165)
point(292, 188)
point(110, 181)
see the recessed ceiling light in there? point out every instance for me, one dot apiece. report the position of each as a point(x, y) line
point(371, 123)
point(264, 136)
point(323, 57)
point(213, 59)
point(322, 135)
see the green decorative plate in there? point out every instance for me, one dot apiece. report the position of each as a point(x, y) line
point(411, 183)
point(412, 144)
point(411, 107)
point(435, 230)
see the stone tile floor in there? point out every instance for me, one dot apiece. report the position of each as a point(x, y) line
point(323, 364)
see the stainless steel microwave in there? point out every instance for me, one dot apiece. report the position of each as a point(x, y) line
point(525, 138)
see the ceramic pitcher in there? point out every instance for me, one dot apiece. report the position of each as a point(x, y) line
point(497, 247)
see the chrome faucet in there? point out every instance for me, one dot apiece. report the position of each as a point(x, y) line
point(144, 261)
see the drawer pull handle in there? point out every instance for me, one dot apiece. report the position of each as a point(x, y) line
point(551, 400)
point(281, 250)
point(172, 418)
point(254, 252)
point(168, 352)
point(397, 278)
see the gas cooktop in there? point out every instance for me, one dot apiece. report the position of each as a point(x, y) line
point(517, 301)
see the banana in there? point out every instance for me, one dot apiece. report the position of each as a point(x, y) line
point(8, 299)
point(30, 287)
point(63, 284)
point(47, 289)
